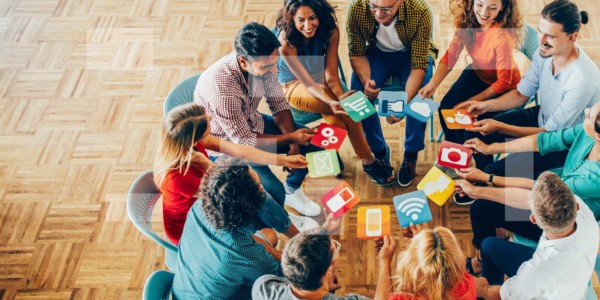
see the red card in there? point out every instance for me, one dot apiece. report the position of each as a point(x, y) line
point(340, 199)
point(329, 137)
point(454, 155)
point(457, 118)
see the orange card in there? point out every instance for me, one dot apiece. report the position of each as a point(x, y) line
point(457, 118)
point(373, 222)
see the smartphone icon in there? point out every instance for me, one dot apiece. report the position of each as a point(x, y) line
point(373, 221)
point(340, 199)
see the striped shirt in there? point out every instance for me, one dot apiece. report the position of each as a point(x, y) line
point(232, 103)
point(413, 26)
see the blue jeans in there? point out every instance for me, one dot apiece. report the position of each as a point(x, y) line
point(499, 257)
point(383, 66)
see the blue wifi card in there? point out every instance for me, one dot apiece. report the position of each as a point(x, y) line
point(412, 208)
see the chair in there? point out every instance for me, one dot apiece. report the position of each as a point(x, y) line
point(183, 93)
point(141, 198)
point(158, 286)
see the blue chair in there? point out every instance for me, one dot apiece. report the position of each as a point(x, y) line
point(141, 198)
point(183, 93)
point(158, 286)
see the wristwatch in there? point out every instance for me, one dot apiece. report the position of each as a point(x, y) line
point(490, 181)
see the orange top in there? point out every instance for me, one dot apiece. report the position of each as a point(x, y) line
point(492, 54)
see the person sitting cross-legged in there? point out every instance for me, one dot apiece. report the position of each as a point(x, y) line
point(561, 265)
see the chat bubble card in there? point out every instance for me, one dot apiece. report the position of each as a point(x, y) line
point(457, 118)
point(391, 103)
point(373, 222)
point(438, 186)
point(329, 137)
point(340, 199)
point(421, 109)
point(358, 106)
point(454, 155)
point(412, 208)
point(322, 163)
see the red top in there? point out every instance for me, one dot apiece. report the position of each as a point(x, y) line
point(178, 197)
point(464, 290)
point(492, 55)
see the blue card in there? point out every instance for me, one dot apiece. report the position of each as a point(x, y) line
point(412, 208)
point(391, 103)
point(421, 109)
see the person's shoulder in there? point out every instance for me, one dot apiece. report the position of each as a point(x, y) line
point(220, 73)
point(355, 4)
point(270, 287)
point(586, 69)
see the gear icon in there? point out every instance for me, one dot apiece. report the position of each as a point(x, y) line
point(333, 139)
point(324, 143)
point(327, 132)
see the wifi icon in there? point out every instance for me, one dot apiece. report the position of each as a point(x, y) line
point(412, 208)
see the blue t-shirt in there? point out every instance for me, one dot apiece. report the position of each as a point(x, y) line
point(312, 57)
point(218, 264)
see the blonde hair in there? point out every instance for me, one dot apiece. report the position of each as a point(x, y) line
point(431, 266)
point(183, 127)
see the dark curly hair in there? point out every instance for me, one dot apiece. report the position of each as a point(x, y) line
point(509, 18)
point(230, 195)
point(324, 11)
point(306, 258)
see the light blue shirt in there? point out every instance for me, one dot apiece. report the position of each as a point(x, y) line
point(565, 95)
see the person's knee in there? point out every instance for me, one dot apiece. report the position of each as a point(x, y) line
point(489, 245)
point(271, 236)
point(477, 209)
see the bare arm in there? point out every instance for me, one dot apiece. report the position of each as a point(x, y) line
point(524, 144)
point(484, 95)
point(332, 78)
point(414, 83)
point(384, 279)
point(513, 197)
point(507, 101)
point(517, 131)
point(362, 68)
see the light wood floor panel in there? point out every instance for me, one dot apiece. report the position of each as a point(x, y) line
point(82, 84)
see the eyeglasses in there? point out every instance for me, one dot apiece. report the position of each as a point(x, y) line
point(338, 247)
point(384, 10)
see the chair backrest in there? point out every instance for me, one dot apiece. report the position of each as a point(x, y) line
point(158, 286)
point(141, 198)
point(183, 93)
point(530, 42)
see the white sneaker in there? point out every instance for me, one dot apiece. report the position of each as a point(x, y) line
point(303, 223)
point(448, 171)
point(302, 204)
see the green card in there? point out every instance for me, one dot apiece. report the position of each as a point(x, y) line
point(323, 163)
point(358, 106)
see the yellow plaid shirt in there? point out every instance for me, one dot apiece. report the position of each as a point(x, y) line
point(414, 27)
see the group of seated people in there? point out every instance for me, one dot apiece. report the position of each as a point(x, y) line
point(223, 213)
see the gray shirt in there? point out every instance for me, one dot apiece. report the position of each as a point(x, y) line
point(564, 95)
point(270, 287)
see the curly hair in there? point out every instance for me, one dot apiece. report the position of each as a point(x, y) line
point(230, 195)
point(306, 258)
point(509, 18)
point(324, 11)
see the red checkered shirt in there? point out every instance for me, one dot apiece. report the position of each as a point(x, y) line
point(232, 103)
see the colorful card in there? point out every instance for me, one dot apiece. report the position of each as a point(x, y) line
point(421, 109)
point(340, 199)
point(358, 106)
point(438, 186)
point(323, 163)
point(329, 137)
point(457, 118)
point(412, 208)
point(391, 103)
point(454, 155)
point(373, 222)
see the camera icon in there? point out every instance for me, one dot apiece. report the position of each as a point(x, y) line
point(454, 156)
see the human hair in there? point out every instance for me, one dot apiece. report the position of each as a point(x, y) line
point(567, 14)
point(509, 19)
point(431, 266)
point(182, 128)
point(553, 203)
point(324, 11)
point(306, 258)
point(254, 40)
point(230, 195)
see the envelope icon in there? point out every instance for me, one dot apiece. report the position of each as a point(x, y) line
point(322, 163)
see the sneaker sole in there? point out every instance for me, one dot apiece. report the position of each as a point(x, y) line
point(403, 185)
point(382, 185)
point(462, 203)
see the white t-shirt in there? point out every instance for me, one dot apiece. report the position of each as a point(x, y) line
point(387, 38)
point(559, 269)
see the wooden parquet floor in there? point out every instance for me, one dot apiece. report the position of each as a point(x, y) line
point(82, 84)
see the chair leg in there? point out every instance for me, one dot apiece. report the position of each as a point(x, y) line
point(439, 139)
point(431, 128)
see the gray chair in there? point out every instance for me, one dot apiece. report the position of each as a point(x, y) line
point(158, 286)
point(183, 93)
point(141, 198)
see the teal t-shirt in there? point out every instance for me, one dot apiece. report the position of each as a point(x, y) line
point(579, 173)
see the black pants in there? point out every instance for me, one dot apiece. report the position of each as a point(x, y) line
point(466, 86)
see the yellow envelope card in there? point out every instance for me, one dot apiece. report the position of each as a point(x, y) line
point(438, 186)
point(373, 222)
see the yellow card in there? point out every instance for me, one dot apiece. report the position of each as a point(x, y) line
point(373, 222)
point(438, 186)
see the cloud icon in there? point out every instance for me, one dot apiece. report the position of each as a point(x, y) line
point(421, 108)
